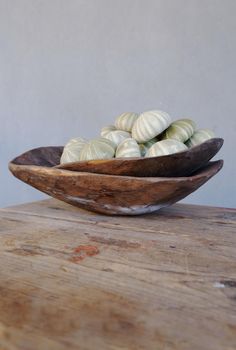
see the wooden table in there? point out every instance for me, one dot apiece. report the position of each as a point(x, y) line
point(70, 279)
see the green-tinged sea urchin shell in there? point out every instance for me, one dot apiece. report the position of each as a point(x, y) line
point(125, 121)
point(117, 136)
point(180, 130)
point(128, 149)
point(150, 124)
point(99, 148)
point(165, 147)
point(72, 150)
point(106, 129)
point(200, 136)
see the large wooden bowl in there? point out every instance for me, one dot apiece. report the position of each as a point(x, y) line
point(178, 164)
point(107, 194)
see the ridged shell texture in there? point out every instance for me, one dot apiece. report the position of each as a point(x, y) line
point(150, 124)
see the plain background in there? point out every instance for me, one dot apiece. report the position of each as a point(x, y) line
point(69, 67)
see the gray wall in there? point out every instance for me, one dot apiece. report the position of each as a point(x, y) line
point(68, 67)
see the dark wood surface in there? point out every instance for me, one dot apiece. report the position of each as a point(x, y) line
point(71, 279)
point(108, 194)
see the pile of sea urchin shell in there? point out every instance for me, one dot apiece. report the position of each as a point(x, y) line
point(148, 134)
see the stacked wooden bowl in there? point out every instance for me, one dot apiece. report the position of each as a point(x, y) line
point(119, 186)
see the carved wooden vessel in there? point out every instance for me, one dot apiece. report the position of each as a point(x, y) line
point(108, 194)
point(178, 164)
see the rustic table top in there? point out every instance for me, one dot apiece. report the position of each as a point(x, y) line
point(71, 279)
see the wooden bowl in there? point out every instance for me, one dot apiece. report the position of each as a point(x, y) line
point(178, 164)
point(107, 194)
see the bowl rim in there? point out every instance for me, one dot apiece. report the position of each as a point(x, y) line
point(64, 172)
point(219, 140)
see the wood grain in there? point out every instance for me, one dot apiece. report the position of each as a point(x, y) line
point(70, 279)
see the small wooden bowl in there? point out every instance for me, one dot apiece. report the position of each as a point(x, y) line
point(178, 164)
point(107, 194)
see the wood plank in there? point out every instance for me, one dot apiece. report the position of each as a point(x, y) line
point(70, 279)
